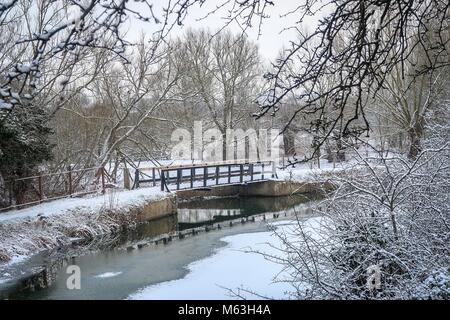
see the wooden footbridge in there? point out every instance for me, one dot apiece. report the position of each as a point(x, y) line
point(202, 175)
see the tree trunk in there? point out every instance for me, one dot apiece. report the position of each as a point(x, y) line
point(289, 143)
point(394, 224)
point(340, 152)
point(20, 191)
point(415, 138)
point(224, 147)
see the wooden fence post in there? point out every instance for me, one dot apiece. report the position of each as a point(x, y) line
point(136, 178)
point(40, 188)
point(192, 177)
point(11, 191)
point(205, 176)
point(70, 179)
point(241, 173)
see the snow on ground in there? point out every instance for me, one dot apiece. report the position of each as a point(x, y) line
point(27, 231)
point(308, 171)
point(237, 267)
point(108, 274)
point(119, 199)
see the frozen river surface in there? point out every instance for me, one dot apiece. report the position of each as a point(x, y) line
point(220, 264)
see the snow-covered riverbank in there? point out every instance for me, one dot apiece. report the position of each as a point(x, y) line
point(27, 231)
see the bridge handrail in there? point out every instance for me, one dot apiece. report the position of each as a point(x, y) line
point(205, 164)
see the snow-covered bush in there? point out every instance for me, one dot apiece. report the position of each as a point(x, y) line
point(390, 213)
point(436, 285)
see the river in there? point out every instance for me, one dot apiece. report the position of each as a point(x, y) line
point(196, 253)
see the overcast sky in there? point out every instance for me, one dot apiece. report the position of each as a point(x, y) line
point(273, 37)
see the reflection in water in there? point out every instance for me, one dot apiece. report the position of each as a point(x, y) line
point(150, 229)
point(209, 211)
point(44, 274)
point(200, 216)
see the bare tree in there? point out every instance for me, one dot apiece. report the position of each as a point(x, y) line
point(363, 63)
point(49, 31)
point(124, 98)
point(223, 69)
point(405, 102)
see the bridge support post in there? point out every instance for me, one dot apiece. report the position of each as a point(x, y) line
point(163, 180)
point(274, 169)
point(205, 176)
point(262, 171)
point(217, 174)
point(179, 173)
